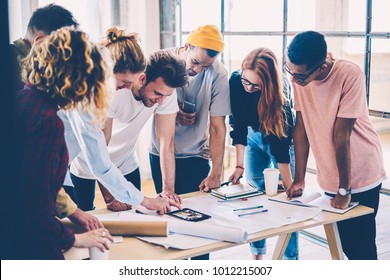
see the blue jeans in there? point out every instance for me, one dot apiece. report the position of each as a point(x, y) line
point(257, 158)
point(83, 192)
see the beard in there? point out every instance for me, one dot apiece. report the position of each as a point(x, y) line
point(141, 96)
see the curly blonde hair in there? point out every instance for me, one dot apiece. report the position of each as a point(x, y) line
point(125, 50)
point(270, 107)
point(70, 70)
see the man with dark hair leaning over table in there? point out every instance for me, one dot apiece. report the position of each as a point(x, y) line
point(333, 120)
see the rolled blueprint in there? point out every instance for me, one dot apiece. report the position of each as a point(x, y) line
point(131, 228)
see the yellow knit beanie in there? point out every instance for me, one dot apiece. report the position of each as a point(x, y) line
point(206, 37)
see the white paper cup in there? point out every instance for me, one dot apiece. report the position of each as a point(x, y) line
point(96, 254)
point(271, 180)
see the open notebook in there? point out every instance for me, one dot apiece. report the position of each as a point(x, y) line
point(315, 199)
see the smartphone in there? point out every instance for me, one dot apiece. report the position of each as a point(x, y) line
point(189, 215)
point(188, 107)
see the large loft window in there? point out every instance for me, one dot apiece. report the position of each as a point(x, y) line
point(357, 30)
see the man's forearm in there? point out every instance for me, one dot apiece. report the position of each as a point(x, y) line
point(343, 158)
point(168, 167)
point(341, 138)
point(301, 150)
point(240, 152)
point(217, 148)
point(107, 196)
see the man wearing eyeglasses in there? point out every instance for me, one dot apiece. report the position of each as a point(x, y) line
point(332, 120)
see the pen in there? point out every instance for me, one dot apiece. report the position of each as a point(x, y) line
point(139, 212)
point(249, 208)
point(228, 182)
point(251, 213)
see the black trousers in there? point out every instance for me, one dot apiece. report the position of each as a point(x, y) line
point(83, 192)
point(358, 234)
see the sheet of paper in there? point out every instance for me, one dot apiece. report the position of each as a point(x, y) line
point(178, 241)
point(324, 204)
point(223, 214)
point(117, 239)
point(224, 225)
point(314, 199)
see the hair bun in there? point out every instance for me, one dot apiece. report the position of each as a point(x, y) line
point(112, 36)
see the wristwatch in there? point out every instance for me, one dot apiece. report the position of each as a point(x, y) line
point(344, 192)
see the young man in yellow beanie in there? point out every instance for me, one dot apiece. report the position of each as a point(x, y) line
point(200, 124)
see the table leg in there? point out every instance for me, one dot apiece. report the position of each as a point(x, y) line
point(334, 242)
point(281, 246)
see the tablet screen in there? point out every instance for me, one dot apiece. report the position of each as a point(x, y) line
point(189, 215)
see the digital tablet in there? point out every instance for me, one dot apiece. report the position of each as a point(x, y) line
point(188, 214)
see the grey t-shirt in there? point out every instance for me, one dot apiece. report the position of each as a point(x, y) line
point(209, 91)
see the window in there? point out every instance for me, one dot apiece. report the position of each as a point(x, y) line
point(357, 30)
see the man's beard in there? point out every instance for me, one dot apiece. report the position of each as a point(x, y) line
point(141, 96)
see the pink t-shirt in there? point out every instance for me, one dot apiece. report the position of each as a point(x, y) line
point(341, 94)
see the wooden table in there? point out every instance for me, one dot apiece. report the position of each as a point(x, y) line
point(135, 249)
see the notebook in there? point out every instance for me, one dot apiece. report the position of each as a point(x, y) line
point(235, 191)
point(315, 199)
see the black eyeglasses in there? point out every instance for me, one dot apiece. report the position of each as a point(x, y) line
point(300, 77)
point(245, 82)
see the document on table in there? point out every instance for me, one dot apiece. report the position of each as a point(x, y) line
point(224, 225)
point(313, 199)
point(183, 234)
point(223, 214)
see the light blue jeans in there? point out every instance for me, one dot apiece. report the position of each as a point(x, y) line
point(257, 158)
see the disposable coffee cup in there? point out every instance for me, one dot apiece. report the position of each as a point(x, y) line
point(96, 254)
point(271, 180)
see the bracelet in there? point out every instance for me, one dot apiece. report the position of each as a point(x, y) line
point(111, 202)
point(239, 166)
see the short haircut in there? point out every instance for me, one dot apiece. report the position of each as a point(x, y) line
point(169, 67)
point(307, 48)
point(50, 18)
point(125, 51)
point(210, 53)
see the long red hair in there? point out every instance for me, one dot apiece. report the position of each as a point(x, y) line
point(270, 107)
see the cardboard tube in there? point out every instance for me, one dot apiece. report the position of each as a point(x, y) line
point(130, 228)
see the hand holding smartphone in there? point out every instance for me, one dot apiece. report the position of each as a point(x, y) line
point(188, 107)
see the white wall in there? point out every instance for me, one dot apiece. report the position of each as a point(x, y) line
point(95, 17)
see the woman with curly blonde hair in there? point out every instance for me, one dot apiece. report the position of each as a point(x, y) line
point(262, 122)
point(62, 72)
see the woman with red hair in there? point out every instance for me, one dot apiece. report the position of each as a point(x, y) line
point(262, 122)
